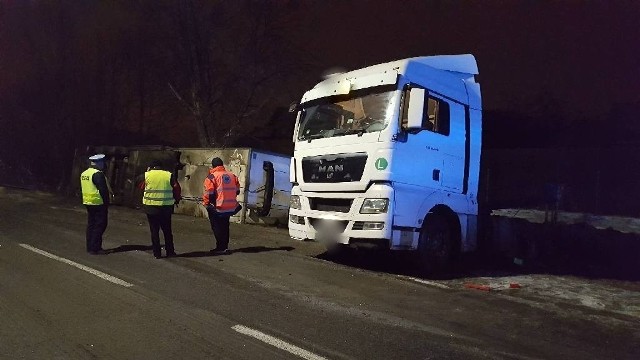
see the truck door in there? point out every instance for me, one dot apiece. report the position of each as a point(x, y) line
point(436, 151)
point(429, 157)
point(449, 137)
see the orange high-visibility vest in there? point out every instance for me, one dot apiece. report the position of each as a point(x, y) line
point(223, 186)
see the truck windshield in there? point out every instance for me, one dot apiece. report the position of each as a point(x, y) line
point(357, 113)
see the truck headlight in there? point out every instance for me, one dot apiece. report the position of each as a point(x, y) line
point(294, 202)
point(374, 206)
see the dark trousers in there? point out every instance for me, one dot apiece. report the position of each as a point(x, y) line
point(220, 226)
point(160, 218)
point(97, 219)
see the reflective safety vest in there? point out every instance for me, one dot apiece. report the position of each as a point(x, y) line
point(157, 188)
point(90, 193)
point(222, 186)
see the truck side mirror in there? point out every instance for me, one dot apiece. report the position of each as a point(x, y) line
point(297, 127)
point(416, 109)
point(293, 107)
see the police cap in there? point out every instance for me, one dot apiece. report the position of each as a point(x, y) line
point(97, 157)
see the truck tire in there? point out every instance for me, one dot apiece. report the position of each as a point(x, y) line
point(436, 246)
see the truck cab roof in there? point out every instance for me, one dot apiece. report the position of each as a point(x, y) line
point(456, 72)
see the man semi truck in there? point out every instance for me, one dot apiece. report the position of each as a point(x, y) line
point(389, 156)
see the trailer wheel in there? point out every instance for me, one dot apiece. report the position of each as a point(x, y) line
point(436, 246)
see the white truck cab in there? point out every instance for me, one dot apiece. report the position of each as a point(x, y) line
point(389, 156)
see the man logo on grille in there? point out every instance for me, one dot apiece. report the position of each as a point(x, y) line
point(330, 168)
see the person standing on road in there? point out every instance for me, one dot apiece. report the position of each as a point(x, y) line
point(96, 198)
point(161, 192)
point(221, 187)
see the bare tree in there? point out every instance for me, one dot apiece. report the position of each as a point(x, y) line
point(228, 61)
point(87, 73)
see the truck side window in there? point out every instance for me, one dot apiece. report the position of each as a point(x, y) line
point(436, 118)
point(435, 115)
point(405, 109)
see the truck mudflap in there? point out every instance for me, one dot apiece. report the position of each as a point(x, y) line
point(405, 238)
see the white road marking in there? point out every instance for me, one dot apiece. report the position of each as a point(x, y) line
point(277, 343)
point(427, 282)
point(95, 272)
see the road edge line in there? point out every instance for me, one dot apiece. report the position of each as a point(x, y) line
point(274, 341)
point(92, 271)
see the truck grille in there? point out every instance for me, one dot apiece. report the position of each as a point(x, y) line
point(333, 168)
point(336, 205)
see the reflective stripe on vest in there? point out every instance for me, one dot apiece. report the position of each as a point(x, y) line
point(90, 192)
point(226, 191)
point(157, 188)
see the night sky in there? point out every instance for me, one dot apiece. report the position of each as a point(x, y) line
point(584, 54)
point(76, 73)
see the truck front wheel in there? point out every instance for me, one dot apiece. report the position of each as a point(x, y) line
point(436, 245)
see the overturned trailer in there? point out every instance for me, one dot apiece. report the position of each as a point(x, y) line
point(264, 177)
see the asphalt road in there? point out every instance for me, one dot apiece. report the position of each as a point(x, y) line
point(272, 298)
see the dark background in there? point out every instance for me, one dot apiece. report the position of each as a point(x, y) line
point(560, 85)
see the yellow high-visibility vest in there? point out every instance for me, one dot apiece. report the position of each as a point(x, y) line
point(157, 188)
point(90, 193)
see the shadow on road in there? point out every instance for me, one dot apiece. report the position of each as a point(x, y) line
point(248, 250)
point(196, 254)
point(123, 248)
point(472, 265)
point(404, 263)
point(392, 262)
point(259, 249)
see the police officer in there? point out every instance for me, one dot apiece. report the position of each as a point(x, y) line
point(220, 190)
point(161, 192)
point(95, 197)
